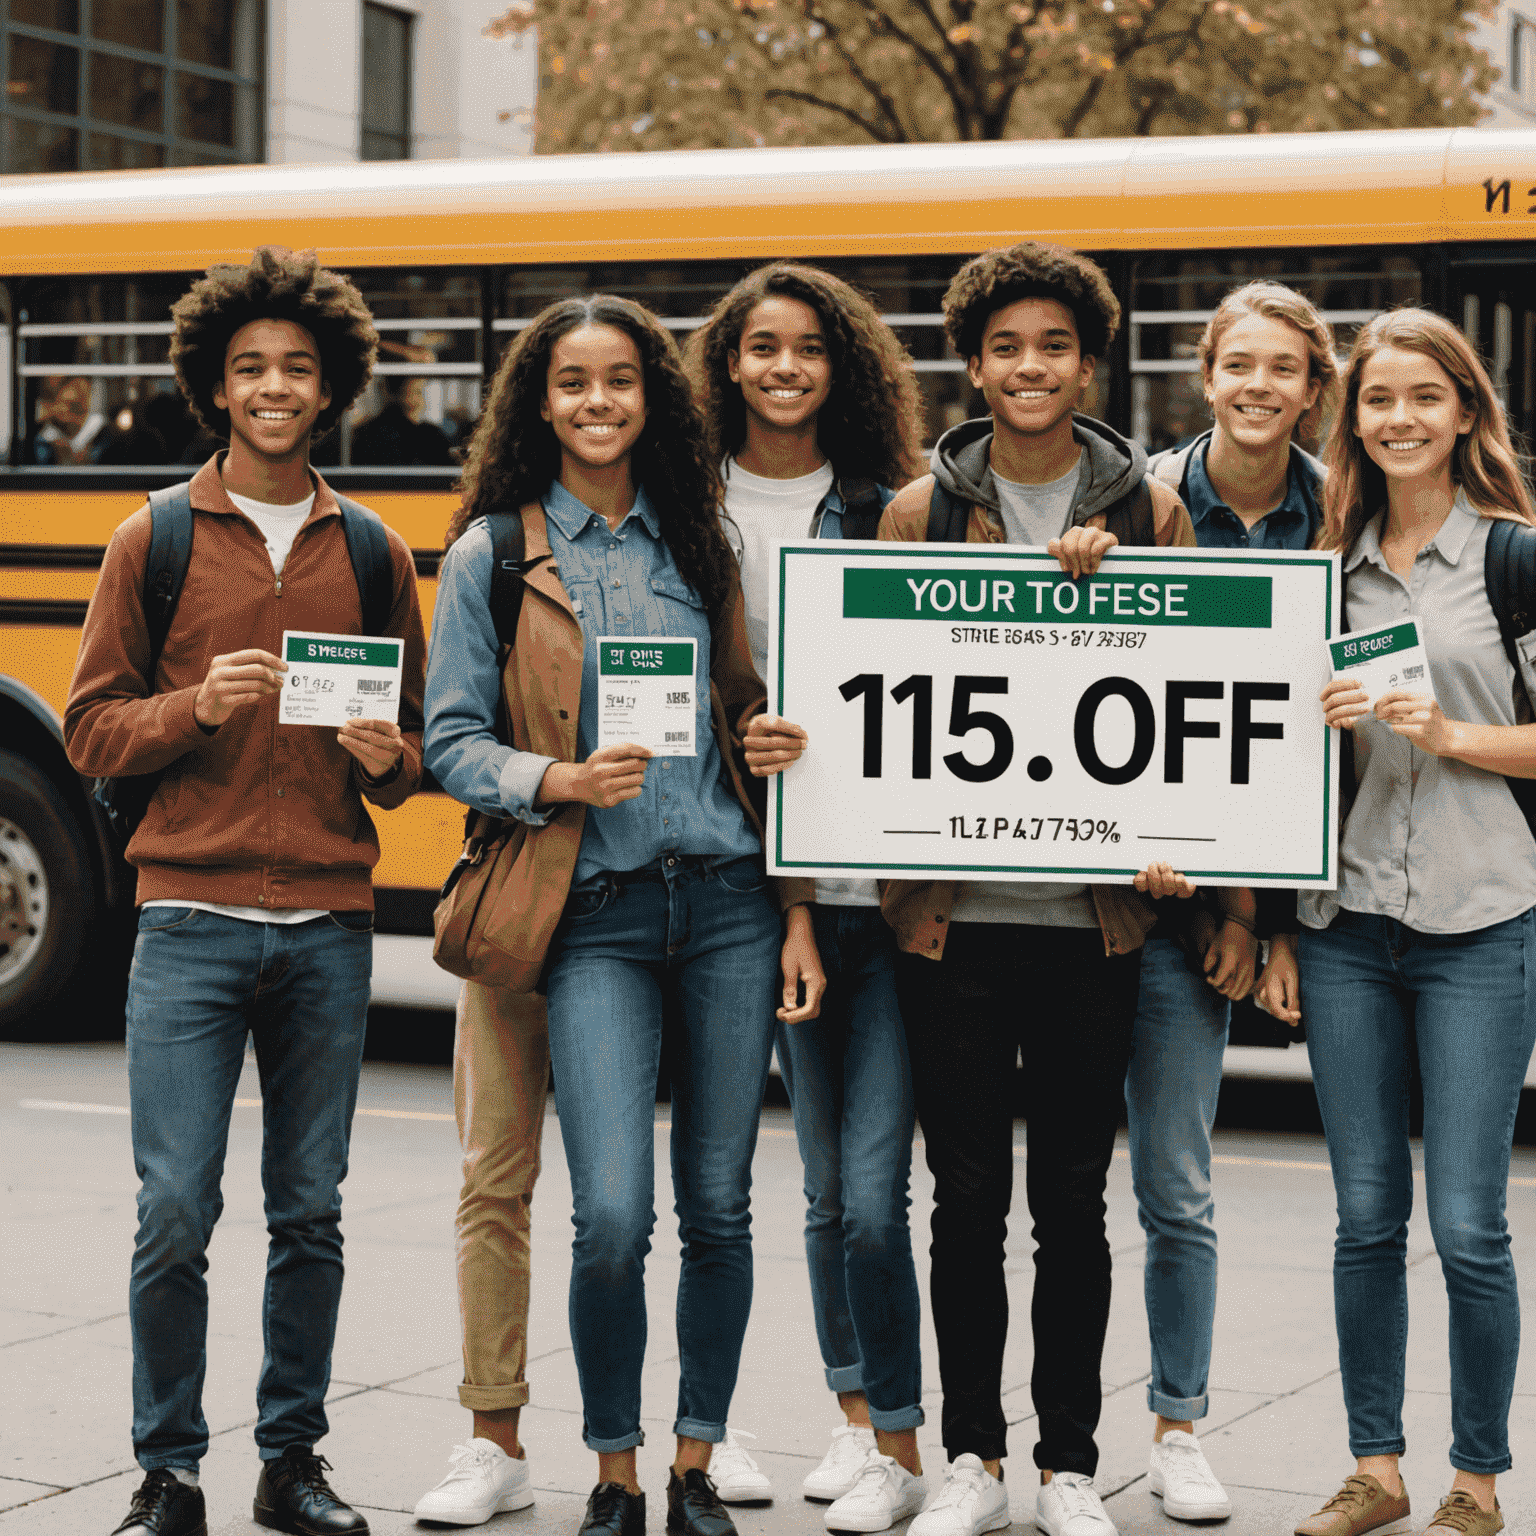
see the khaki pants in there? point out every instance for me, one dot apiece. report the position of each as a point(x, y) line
point(500, 1081)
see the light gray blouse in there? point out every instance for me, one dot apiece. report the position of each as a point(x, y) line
point(1433, 842)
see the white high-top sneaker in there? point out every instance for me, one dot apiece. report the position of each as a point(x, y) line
point(851, 1443)
point(1181, 1476)
point(737, 1478)
point(483, 1480)
point(970, 1502)
point(883, 1493)
point(1068, 1506)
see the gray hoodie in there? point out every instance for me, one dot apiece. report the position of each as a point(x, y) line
point(1113, 466)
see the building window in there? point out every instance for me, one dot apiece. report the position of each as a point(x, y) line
point(105, 85)
point(1521, 75)
point(386, 84)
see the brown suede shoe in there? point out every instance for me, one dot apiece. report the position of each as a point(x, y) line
point(1461, 1515)
point(1361, 1505)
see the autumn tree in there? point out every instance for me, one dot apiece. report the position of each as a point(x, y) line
point(676, 74)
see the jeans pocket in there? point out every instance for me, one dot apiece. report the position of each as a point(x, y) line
point(745, 876)
point(159, 919)
point(352, 922)
point(583, 906)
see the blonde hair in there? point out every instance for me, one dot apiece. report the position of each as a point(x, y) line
point(1274, 301)
point(1483, 462)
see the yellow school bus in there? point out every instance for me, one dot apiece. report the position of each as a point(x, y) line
point(455, 256)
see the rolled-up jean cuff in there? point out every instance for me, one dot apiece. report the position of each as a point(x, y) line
point(697, 1429)
point(1481, 1468)
point(893, 1420)
point(1177, 1408)
point(492, 1399)
point(1397, 1447)
point(845, 1378)
point(623, 1443)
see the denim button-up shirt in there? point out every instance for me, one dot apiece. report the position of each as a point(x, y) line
point(620, 582)
point(1217, 526)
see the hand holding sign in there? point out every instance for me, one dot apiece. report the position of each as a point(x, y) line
point(234, 681)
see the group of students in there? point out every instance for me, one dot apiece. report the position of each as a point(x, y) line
point(649, 486)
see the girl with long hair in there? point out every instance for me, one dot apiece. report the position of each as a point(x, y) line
point(641, 877)
point(1268, 370)
point(1429, 943)
point(811, 410)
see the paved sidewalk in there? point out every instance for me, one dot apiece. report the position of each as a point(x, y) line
point(1275, 1433)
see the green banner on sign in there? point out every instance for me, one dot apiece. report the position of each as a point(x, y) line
point(646, 659)
point(1353, 649)
point(313, 651)
point(975, 596)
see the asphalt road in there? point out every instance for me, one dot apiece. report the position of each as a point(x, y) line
point(1275, 1433)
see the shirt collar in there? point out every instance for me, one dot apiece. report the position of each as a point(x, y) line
point(1203, 500)
point(1449, 540)
point(571, 515)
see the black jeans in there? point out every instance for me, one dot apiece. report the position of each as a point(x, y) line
point(1054, 993)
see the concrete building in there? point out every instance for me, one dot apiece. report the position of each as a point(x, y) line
point(1508, 37)
point(125, 84)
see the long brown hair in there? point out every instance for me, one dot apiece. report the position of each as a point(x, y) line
point(871, 424)
point(1274, 301)
point(514, 456)
point(1483, 462)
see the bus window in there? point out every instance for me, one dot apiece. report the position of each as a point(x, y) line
point(6, 403)
point(425, 395)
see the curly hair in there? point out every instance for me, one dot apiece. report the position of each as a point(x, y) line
point(278, 285)
point(871, 424)
point(996, 279)
point(514, 455)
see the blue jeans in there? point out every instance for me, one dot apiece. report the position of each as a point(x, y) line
point(1372, 990)
point(708, 943)
point(850, 1086)
point(199, 982)
point(1171, 1089)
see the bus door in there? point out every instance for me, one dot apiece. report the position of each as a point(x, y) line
point(1493, 298)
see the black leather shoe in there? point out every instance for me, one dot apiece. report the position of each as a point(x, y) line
point(166, 1506)
point(693, 1506)
point(612, 1510)
point(293, 1495)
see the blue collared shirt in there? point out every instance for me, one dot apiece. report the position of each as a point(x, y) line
point(1217, 526)
point(620, 582)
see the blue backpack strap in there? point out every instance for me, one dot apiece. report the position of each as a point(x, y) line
point(165, 568)
point(368, 546)
point(862, 506)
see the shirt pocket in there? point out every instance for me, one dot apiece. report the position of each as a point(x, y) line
point(679, 611)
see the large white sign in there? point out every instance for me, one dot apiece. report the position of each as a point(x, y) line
point(974, 713)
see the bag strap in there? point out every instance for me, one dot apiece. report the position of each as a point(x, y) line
point(1131, 519)
point(165, 567)
point(1509, 574)
point(948, 517)
point(372, 567)
point(861, 506)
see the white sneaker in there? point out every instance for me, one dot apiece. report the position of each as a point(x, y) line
point(483, 1480)
point(970, 1502)
point(737, 1478)
point(1068, 1506)
point(1182, 1477)
point(883, 1493)
point(839, 1468)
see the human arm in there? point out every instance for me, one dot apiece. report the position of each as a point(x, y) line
point(1509, 750)
point(800, 965)
point(1232, 956)
point(1279, 989)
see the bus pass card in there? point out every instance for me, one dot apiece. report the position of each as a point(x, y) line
point(646, 694)
point(332, 679)
point(1382, 659)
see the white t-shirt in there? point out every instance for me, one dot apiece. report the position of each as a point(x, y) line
point(1036, 514)
point(278, 527)
point(764, 510)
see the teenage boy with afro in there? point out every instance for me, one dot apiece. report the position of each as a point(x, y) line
point(987, 968)
point(254, 863)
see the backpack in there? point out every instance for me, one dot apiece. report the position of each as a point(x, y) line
point(1509, 574)
point(123, 801)
point(861, 507)
point(1130, 519)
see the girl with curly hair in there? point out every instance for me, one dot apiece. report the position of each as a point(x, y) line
point(1426, 948)
point(811, 404)
point(640, 877)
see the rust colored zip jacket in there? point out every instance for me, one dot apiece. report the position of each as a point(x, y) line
point(252, 814)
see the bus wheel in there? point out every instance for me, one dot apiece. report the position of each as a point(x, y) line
point(47, 898)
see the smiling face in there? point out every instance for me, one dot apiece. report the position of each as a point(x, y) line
point(782, 365)
point(1409, 414)
point(272, 390)
point(594, 395)
point(1031, 368)
point(1258, 386)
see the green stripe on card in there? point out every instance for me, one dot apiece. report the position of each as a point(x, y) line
point(343, 653)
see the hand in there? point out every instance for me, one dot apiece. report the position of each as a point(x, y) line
point(235, 681)
point(1081, 549)
point(374, 743)
point(1343, 702)
point(1159, 879)
point(609, 777)
point(772, 744)
point(1279, 990)
point(800, 965)
point(1230, 961)
point(1419, 719)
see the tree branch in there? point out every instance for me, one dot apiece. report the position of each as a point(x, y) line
point(873, 87)
point(783, 93)
point(882, 21)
